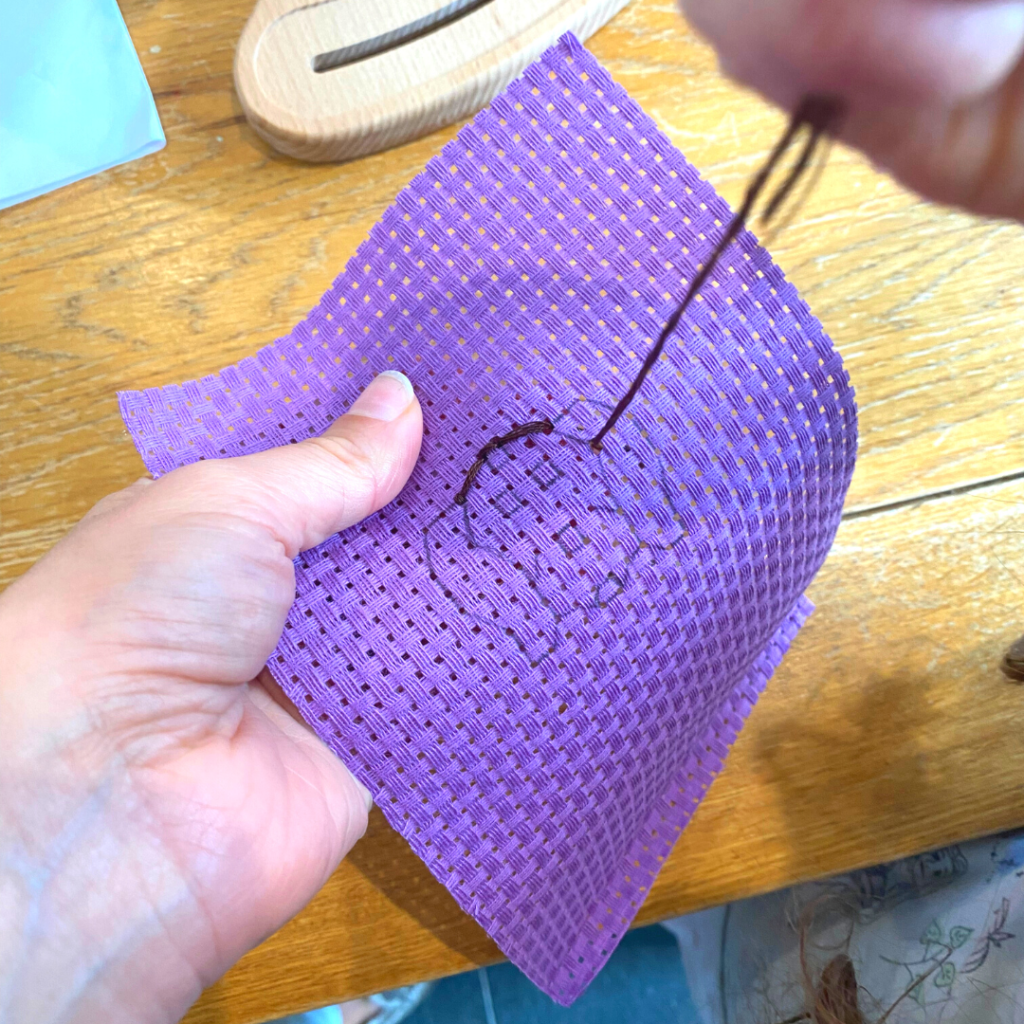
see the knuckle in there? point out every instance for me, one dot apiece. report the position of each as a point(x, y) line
point(203, 482)
point(206, 472)
point(358, 464)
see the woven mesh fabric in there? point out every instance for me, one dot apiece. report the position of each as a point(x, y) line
point(539, 685)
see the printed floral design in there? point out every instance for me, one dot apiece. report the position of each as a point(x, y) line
point(934, 939)
point(879, 889)
point(937, 968)
point(995, 936)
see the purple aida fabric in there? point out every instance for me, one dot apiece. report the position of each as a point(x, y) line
point(538, 686)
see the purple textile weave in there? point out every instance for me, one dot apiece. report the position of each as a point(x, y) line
point(538, 686)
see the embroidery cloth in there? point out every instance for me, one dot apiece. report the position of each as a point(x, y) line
point(538, 686)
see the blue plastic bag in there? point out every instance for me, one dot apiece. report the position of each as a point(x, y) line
point(73, 97)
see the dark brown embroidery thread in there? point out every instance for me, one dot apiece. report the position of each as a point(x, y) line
point(820, 116)
point(534, 427)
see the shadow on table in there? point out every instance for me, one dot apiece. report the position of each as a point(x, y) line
point(849, 777)
point(387, 861)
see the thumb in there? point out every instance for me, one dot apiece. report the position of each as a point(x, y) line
point(304, 493)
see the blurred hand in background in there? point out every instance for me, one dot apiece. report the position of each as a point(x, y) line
point(935, 88)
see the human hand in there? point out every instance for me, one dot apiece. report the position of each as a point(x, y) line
point(935, 88)
point(160, 811)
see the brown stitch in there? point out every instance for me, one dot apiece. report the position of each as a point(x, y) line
point(534, 427)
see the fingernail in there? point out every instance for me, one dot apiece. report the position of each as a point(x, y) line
point(388, 395)
point(365, 794)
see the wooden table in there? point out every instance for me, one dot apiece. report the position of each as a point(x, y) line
point(888, 729)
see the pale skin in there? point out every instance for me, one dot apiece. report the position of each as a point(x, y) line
point(161, 812)
point(935, 88)
point(162, 809)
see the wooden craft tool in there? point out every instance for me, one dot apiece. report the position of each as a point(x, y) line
point(337, 79)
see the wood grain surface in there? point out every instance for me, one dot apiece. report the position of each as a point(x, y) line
point(888, 728)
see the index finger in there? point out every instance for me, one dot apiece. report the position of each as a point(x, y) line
point(867, 51)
